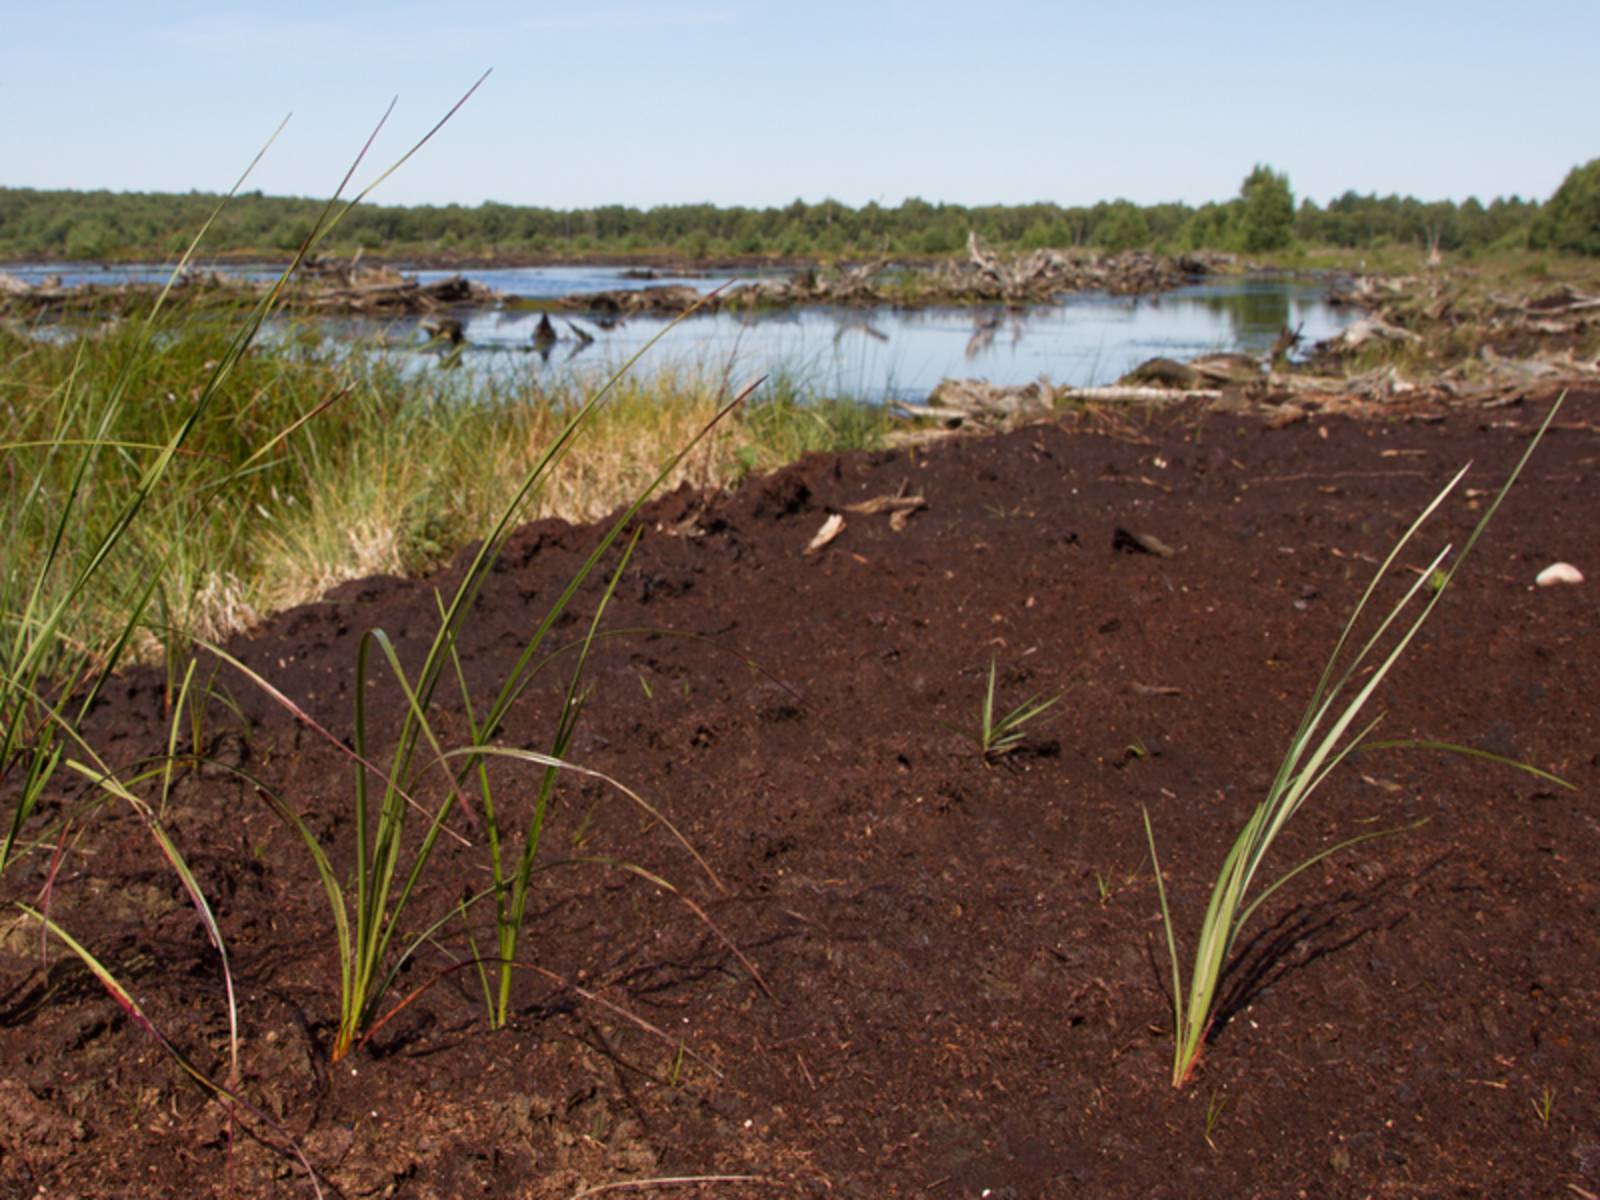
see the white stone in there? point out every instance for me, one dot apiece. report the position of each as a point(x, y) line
point(1559, 573)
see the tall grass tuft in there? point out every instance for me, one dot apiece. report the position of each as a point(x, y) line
point(267, 506)
point(1328, 732)
point(71, 505)
point(86, 497)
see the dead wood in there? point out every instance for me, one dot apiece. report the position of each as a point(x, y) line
point(1151, 395)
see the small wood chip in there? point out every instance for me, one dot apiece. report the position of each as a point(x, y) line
point(831, 528)
point(1140, 543)
point(1155, 689)
point(878, 504)
point(899, 507)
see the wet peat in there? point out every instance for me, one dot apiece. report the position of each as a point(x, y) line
point(969, 995)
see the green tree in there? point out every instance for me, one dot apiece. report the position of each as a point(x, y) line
point(1209, 228)
point(1266, 215)
point(1044, 234)
point(1122, 228)
point(943, 237)
point(1570, 220)
point(697, 245)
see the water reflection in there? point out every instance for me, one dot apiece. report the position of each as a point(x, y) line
point(1252, 307)
point(856, 321)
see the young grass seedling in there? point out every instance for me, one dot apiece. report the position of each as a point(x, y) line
point(995, 736)
point(1545, 1104)
point(1214, 1106)
point(1318, 746)
point(1102, 886)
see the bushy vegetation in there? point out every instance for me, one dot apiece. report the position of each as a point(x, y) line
point(1374, 222)
point(1261, 218)
point(1571, 220)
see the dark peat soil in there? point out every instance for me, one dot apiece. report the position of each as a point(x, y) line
point(963, 987)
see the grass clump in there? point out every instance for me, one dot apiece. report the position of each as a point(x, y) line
point(374, 940)
point(998, 734)
point(1328, 732)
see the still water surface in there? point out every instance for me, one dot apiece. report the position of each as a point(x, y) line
point(1086, 339)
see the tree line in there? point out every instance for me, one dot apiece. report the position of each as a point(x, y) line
point(1263, 217)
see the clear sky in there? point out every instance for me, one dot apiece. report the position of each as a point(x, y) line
point(757, 102)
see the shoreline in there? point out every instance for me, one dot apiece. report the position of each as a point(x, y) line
point(369, 285)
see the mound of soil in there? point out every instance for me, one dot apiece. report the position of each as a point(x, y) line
point(963, 989)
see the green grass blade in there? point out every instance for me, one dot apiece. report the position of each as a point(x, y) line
point(545, 760)
point(1172, 949)
point(1471, 752)
point(1373, 835)
point(101, 777)
point(1313, 753)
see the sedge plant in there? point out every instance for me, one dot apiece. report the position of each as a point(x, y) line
point(373, 937)
point(997, 735)
point(1330, 730)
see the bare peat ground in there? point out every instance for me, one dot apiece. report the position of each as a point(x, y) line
point(969, 995)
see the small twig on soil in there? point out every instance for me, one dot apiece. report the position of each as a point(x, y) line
point(1140, 479)
point(1301, 478)
point(631, 1185)
point(1147, 689)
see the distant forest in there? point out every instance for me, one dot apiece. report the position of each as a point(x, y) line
point(1263, 217)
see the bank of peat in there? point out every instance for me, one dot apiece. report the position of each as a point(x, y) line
point(962, 988)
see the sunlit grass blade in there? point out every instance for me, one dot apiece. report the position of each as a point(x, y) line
point(1178, 1024)
point(705, 919)
point(512, 915)
point(337, 902)
point(101, 777)
point(1471, 752)
point(544, 760)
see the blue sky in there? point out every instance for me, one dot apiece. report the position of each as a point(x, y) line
point(758, 102)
